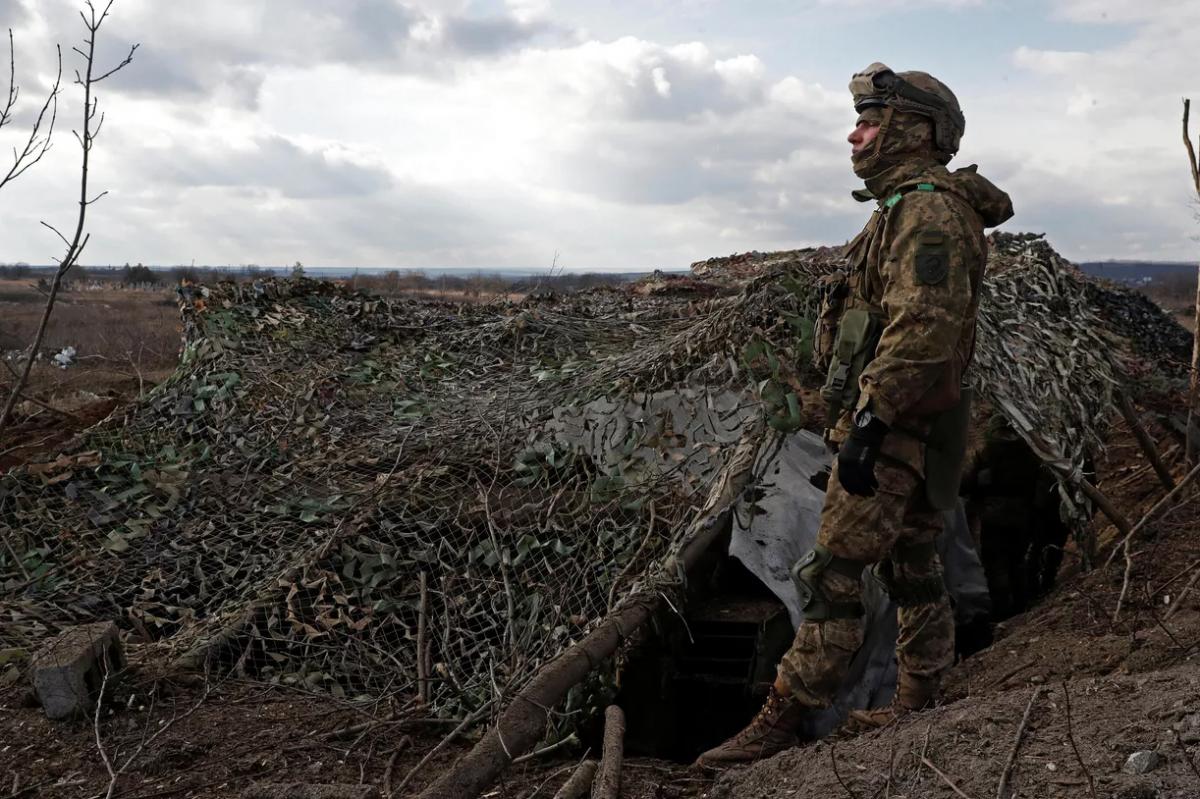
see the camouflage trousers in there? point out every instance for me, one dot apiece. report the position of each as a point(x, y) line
point(871, 529)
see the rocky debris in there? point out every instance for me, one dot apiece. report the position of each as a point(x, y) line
point(69, 669)
point(1141, 762)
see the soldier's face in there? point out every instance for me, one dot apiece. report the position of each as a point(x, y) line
point(863, 135)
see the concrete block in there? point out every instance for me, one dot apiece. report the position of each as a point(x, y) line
point(69, 668)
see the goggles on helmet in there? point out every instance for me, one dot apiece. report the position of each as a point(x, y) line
point(878, 85)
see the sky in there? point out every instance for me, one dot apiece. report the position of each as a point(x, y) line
point(616, 134)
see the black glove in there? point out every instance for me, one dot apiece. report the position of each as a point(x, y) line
point(856, 458)
point(820, 479)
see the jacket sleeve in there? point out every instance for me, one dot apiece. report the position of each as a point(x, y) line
point(927, 296)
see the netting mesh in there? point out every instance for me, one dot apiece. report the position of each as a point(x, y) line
point(329, 479)
point(377, 497)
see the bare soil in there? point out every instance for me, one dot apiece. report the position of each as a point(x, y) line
point(1131, 682)
point(126, 342)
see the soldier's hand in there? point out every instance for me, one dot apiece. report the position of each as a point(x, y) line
point(856, 458)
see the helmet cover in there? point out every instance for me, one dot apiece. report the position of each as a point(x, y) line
point(916, 93)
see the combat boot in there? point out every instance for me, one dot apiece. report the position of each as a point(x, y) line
point(912, 694)
point(771, 731)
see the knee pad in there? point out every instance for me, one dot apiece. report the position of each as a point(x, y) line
point(907, 591)
point(807, 575)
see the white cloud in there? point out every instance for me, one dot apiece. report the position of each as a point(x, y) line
point(1125, 11)
point(1051, 62)
point(901, 5)
point(342, 160)
point(426, 133)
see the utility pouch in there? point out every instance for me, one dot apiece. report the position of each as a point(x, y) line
point(945, 451)
point(857, 337)
point(832, 291)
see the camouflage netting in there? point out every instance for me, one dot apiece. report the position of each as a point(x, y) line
point(387, 497)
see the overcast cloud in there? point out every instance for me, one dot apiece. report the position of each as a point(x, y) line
point(623, 135)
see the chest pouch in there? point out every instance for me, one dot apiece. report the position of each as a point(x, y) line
point(853, 348)
point(833, 290)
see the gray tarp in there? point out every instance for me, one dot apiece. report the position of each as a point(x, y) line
point(778, 525)
point(674, 432)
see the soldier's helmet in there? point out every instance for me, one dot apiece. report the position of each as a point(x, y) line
point(915, 92)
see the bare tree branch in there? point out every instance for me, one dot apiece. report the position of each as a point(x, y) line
point(79, 241)
point(1187, 142)
point(124, 63)
point(37, 144)
point(56, 232)
point(14, 90)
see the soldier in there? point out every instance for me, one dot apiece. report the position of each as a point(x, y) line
point(904, 336)
point(1021, 530)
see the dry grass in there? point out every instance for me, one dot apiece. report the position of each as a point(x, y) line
point(125, 340)
point(1177, 295)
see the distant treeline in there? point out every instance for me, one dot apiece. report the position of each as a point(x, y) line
point(1140, 271)
point(395, 281)
point(480, 284)
point(136, 274)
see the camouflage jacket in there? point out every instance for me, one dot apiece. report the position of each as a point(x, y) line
point(917, 265)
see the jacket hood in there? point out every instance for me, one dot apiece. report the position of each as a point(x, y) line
point(993, 205)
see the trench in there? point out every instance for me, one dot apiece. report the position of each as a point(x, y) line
point(696, 680)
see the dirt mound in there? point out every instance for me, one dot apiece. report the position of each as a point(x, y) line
point(1131, 683)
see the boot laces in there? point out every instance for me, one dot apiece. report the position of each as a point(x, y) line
point(766, 721)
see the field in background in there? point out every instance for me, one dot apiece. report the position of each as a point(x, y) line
point(126, 329)
point(1177, 294)
point(125, 339)
point(127, 334)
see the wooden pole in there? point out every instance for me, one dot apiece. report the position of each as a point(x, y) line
point(1143, 438)
point(579, 785)
point(423, 640)
point(608, 778)
point(1191, 434)
point(1106, 507)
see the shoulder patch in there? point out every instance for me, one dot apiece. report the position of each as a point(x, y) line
point(933, 259)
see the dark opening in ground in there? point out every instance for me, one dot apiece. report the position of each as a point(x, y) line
point(695, 683)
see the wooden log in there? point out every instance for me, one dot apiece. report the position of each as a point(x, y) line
point(523, 722)
point(608, 777)
point(422, 641)
point(1105, 506)
point(580, 783)
point(1144, 440)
